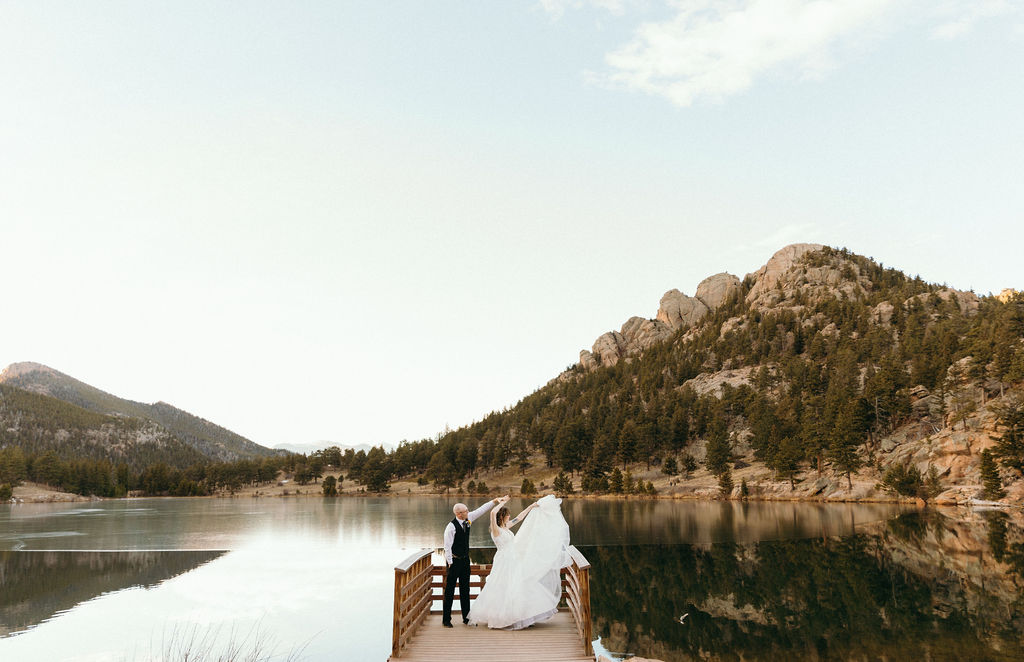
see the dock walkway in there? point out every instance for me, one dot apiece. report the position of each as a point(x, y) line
point(417, 634)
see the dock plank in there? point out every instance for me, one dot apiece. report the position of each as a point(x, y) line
point(555, 640)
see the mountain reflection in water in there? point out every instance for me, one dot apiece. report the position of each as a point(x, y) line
point(35, 586)
point(920, 586)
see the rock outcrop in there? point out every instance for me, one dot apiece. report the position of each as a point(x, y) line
point(715, 290)
point(678, 310)
point(766, 278)
point(636, 335)
point(675, 311)
point(790, 280)
point(1007, 294)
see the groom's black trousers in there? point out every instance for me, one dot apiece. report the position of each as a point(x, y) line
point(458, 571)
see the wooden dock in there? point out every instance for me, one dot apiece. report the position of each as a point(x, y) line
point(417, 634)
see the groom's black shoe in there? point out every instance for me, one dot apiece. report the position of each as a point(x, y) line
point(465, 621)
point(447, 625)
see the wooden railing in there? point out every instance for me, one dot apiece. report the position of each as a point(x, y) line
point(576, 592)
point(419, 585)
point(412, 597)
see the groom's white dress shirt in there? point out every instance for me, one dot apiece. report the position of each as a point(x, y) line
point(449, 531)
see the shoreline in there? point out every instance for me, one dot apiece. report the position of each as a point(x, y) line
point(34, 493)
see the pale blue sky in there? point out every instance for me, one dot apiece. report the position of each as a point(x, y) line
point(364, 221)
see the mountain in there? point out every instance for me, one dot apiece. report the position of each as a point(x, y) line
point(320, 445)
point(33, 423)
point(821, 374)
point(208, 439)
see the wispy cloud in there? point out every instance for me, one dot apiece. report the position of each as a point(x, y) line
point(959, 18)
point(712, 49)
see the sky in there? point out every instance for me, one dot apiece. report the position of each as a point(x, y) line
point(362, 222)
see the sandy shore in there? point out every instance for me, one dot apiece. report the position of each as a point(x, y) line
point(700, 486)
point(35, 493)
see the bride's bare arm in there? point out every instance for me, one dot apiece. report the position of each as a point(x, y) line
point(494, 522)
point(521, 516)
point(494, 515)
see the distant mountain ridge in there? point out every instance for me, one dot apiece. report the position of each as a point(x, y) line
point(209, 439)
point(321, 445)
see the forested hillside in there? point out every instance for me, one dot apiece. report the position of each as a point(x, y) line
point(820, 369)
point(47, 440)
point(209, 439)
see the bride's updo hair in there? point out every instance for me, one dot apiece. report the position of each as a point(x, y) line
point(502, 516)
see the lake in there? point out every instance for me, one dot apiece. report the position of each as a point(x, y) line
point(312, 578)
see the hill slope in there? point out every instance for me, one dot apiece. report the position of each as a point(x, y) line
point(207, 438)
point(818, 374)
point(34, 424)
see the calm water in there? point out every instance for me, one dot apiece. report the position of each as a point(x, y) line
point(118, 580)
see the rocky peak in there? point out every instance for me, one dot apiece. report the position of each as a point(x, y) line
point(767, 277)
point(16, 370)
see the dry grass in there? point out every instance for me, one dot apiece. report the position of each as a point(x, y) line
point(203, 644)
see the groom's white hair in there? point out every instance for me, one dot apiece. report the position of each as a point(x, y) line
point(459, 506)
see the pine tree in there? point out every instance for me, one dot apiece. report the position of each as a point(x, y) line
point(615, 482)
point(680, 429)
point(1009, 446)
point(628, 442)
point(990, 477)
point(845, 439)
point(725, 483)
point(562, 484)
point(787, 461)
point(719, 450)
point(669, 467)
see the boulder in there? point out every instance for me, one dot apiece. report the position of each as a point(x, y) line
point(715, 290)
point(882, 313)
point(678, 310)
point(610, 347)
point(640, 333)
point(712, 382)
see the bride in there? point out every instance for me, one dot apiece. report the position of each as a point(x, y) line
point(525, 583)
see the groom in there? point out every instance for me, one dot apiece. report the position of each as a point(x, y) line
point(456, 555)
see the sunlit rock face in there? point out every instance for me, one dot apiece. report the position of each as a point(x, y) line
point(678, 310)
point(715, 290)
point(1007, 294)
point(768, 276)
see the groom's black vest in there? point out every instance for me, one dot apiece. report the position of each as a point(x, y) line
point(460, 546)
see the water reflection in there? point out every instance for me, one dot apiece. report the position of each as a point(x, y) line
point(404, 522)
point(923, 586)
point(34, 586)
point(759, 580)
point(609, 522)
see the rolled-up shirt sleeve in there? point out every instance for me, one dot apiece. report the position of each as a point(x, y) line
point(478, 512)
point(449, 538)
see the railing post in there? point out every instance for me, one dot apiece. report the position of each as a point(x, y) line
point(579, 598)
point(413, 569)
point(396, 629)
point(588, 628)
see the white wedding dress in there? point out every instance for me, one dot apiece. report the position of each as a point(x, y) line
point(525, 583)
